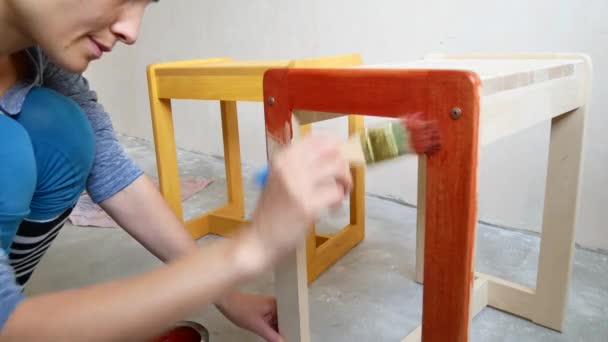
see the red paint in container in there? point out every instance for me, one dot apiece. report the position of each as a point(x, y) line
point(185, 332)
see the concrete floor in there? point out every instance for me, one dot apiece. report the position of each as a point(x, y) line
point(369, 295)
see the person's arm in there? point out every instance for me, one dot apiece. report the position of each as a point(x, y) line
point(116, 180)
point(130, 198)
point(305, 179)
point(141, 211)
point(141, 307)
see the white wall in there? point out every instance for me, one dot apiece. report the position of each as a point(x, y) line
point(512, 171)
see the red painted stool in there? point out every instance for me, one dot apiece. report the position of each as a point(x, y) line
point(449, 97)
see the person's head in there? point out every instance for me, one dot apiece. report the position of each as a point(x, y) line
point(75, 32)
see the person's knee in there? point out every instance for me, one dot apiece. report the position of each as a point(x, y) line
point(64, 147)
point(17, 176)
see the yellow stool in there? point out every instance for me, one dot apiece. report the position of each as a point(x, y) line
point(228, 81)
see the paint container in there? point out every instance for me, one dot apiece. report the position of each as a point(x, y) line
point(185, 331)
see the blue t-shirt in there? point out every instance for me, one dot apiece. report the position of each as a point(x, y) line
point(112, 169)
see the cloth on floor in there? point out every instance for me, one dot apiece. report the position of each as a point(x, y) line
point(87, 213)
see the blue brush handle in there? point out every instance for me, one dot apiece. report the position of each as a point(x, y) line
point(262, 176)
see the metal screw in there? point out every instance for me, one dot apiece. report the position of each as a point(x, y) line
point(456, 113)
point(271, 100)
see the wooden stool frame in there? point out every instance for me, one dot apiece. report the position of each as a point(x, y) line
point(565, 105)
point(451, 196)
point(228, 81)
point(533, 88)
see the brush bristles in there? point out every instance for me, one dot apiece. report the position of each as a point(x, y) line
point(401, 137)
point(379, 144)
point(423, 134)
point(409, 135)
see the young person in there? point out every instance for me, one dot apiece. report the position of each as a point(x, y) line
point(56, 140)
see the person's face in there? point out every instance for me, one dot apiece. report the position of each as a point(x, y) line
point(75, 32)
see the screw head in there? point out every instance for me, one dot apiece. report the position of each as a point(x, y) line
point(456, 113)
point(271, 100)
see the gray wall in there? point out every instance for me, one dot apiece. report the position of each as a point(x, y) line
point(512, 171)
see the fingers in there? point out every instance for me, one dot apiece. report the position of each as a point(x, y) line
point(305, 179)
point(316, 148)
point(315, 160)
point(336, 171)
point(321, 140)
point(330, 197)
point(343, 177)
point(330, 174)
point(267, 332)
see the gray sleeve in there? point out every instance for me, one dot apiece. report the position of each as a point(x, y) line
point(112, 169)
point(10, 292)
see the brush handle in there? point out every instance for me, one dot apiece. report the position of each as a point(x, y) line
point(261, 176)
point(384, 142)
point(350, 150)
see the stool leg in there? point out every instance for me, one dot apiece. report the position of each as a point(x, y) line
point(559, 219)
point(232, 159)
point(291, 274)
point(292, 296)
point(450, 212)
point(420, 222)
point(164, 144)
point(357, 197)
point(311, 239)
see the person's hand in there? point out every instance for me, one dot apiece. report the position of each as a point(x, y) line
point(304, 179)
point(255, 313)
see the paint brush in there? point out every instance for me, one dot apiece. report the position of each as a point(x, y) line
point(411, 134)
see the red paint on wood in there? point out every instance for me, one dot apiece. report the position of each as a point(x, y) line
point(451, 172)
point(276, 107)
point(451, 211)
